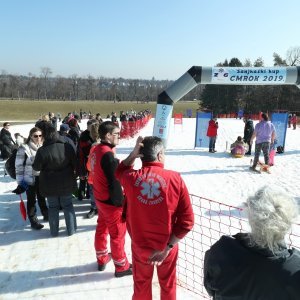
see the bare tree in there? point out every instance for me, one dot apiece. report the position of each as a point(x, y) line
point(75, 86)
point(45, 73)
point(293, 56)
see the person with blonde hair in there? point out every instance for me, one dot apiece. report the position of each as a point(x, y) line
point(257, 265)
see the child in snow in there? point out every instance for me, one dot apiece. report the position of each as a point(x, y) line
point(238, 148)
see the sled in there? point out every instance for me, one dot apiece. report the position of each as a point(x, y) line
point(238, 151)
point(262, 167)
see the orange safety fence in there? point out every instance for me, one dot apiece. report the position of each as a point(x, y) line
point(130, 128)
point(234, 115)
point(212, 220)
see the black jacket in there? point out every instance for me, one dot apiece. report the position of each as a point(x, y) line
point(57, 162)
point(7, 144)
point(235, 269)
point(66, 139)
point(74, 134)
point(85, 143)
point(248, 130)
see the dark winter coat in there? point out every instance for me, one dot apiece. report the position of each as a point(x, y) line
point(74, 134)
point(248, 130)
point(57, 162)
point(7, 144)
point(234, 269)
point(84, 146)
point(66, 139)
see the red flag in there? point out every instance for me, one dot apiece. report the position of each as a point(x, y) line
point(22, 208)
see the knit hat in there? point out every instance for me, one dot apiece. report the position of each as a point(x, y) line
point(64, 127)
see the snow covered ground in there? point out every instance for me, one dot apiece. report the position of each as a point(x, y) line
point(35, 266)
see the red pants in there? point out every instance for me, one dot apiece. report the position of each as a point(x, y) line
point(143, 273)
point(109, 222)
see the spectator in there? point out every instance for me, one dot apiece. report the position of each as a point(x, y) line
point(98, 118)
point(109, 200)
point(84, 146)
point(25, 174)
point(294, 121)
point(56, 162)
point(94, 133)
point(114, 118)
point(74, 132)
point(257, 265)
point(158, 213)
point(123, 116)
point(212, 132)
point(53, 120)
point(289, 120)
point(7, 144)
point(19, 139)
point(64, 135)
point(248, 131)
point(265, 134)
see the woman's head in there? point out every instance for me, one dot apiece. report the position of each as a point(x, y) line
point(35, 135)
point(264, 116)
point(271, 212)
point(73, 122)
point(45, 118)
point(94, 131)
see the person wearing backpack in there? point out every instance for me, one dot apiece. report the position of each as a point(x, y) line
point(7, 143)
point(28, 179)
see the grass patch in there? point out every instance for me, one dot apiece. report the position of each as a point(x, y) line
point(14, 110)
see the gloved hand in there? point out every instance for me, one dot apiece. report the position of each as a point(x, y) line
point(21, 188)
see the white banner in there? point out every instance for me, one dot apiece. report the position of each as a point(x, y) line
point(162, 120)
point(224, 75)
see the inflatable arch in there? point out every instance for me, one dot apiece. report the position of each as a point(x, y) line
point(217, 75)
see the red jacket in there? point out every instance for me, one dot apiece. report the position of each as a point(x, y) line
point(212, 128)
point(91, 164)
point(106, 187)
point(157, 204)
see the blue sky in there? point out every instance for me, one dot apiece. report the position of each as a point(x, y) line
point(141, 39)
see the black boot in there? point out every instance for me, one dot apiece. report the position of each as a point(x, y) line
point(35, 224)
point(45, 215)
point(92, 213)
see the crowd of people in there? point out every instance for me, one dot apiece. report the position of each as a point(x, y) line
point(149, 201)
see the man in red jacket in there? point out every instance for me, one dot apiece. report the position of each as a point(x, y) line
point(158, 214)
point(212, 132)
point(109, 200)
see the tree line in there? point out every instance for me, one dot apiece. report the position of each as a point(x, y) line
point(45, 87)
point(230, 98)
point(218, 98)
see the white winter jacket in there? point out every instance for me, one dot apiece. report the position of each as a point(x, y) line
point(26, 172)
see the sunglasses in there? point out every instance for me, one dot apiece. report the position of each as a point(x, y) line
point(37, 135)
point(116, 133)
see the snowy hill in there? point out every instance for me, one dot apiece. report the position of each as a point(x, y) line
point(35, 266)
